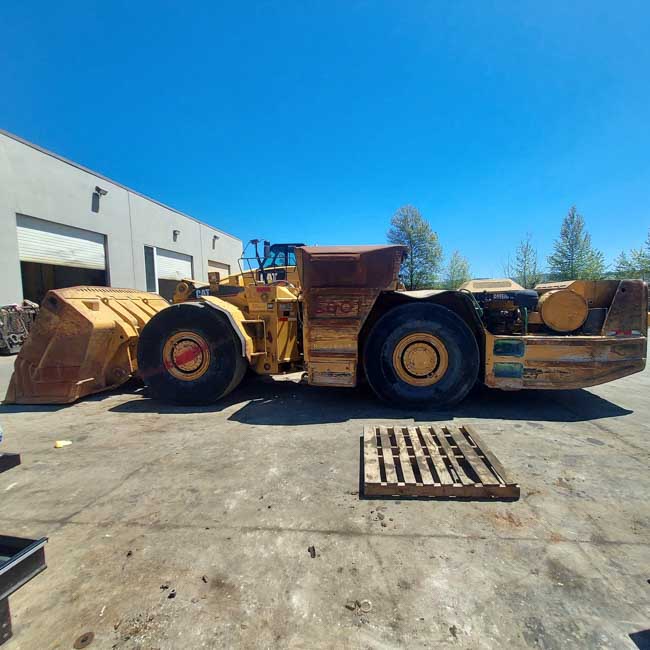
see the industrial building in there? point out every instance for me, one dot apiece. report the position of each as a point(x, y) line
point(63, 225)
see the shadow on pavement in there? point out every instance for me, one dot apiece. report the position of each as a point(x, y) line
point(265, 401)
point(131, 387)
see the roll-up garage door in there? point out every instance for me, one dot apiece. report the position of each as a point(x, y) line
point(46, 242)
point(222, 268)
point(173, 266)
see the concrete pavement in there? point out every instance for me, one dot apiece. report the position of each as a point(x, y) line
point(218, 506)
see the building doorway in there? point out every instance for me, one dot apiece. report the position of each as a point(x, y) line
point(164, 269)
point(38, 279)
point(56, 256)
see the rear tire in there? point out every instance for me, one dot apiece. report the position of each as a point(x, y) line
point(421, 355)
point(189, 354)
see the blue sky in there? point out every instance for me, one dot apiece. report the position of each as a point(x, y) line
point(316, 120)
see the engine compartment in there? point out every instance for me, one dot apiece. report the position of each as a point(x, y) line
point(560, 308)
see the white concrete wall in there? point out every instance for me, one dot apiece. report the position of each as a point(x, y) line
point(38, 184)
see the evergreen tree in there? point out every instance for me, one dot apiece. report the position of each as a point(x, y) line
point(637, 264)
point(574, 258)
point(525, 269)
point(409, 228)
point(594, 268)
point(622, 266)
point(642, 258)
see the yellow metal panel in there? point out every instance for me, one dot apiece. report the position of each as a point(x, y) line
point(83, 341)
point(563, 310)
point(537, 361)
point(330, 372)
point(333, 322)
point(597, 293)
point(276, 343)
point(236, 317)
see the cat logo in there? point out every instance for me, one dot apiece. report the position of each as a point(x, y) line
point(269, 277)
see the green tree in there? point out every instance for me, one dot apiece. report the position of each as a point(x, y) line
point(642, 258)
point(623, 268)
point(574, 258)
point(457, 271)
point(637, 264)
point(409, 228)
point(525, 269)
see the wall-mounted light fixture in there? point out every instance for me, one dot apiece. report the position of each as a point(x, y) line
point(214, 240)
point(99, 192)
point(176, 234)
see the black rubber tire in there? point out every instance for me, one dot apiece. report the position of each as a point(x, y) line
point(462, 350)
point(227, 365)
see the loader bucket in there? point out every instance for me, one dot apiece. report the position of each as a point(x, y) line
point(83, 341)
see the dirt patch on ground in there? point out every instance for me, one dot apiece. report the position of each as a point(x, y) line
point(137, 630)
point(508, 519)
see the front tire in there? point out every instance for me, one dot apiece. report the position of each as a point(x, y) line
point(421, 355)
point(189, 354)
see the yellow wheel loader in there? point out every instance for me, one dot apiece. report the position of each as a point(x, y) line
point(341, 314)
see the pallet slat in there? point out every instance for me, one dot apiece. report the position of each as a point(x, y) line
point(464, 479)
point(443, 473)
point(420, 458)
point(418, 448)
point(404, 459)
point(387, 455)
point(370, 457)
point(494, 461)
point(485, 475)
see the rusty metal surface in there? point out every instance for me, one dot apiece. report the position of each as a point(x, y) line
point(548, 362)
point(83, 341)
point(340, 286)
point(319, 250)
point(362, 267)
point(15, 323)
point(628, 312)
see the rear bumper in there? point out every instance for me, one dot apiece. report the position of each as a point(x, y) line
point(513, 363)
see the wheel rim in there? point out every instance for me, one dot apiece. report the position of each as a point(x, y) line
point(420, 359)
point(186, 355)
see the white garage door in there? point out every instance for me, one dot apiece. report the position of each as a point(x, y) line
point(173, 266)
point(46, 242)
point(222, 268)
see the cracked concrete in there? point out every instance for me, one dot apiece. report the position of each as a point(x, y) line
point(222, 503)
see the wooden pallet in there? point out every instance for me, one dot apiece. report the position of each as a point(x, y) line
point(440, 461)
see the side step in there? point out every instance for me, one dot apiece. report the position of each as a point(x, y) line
point(440, 461)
